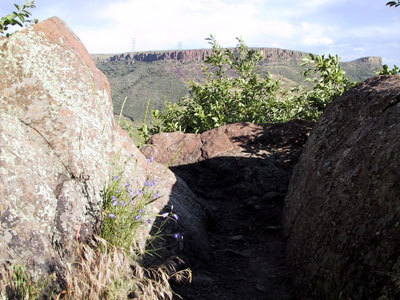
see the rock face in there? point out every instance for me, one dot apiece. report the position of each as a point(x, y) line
point(58, 142)
point(342, 212)
point(271, 55)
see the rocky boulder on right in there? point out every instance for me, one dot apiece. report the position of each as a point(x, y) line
point(342, 210)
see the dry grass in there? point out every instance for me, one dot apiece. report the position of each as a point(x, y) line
point(101, 271)
point(106, 272)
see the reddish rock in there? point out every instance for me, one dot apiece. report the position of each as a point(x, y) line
point(270, 54)
point(174, 148)
point(234, 160)
point(342, 213)
point(177, 148)
point(58, 148)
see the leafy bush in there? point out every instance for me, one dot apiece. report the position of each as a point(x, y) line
point(329, 82)
point(386, 71)
point(234, 92)
point(19, 17)
point(393, 3)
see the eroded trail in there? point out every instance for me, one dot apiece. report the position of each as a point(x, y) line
point(243, 193)
point(247, 254)
point(240, 175)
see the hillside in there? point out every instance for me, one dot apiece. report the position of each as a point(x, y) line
point(163, 75)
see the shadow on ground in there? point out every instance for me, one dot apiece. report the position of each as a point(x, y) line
point(242, 192)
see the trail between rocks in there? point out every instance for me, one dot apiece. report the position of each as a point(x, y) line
point(240, 175)
point(247, 254)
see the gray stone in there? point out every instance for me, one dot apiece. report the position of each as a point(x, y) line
point(342, 211)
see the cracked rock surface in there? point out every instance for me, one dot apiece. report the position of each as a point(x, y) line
point(59, 145)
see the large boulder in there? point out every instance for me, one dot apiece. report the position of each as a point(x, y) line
point(342, 210)
point(58, 146)
point(241, 160)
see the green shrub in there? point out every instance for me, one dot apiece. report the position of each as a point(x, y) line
point(234, 92)
point(19, 17)
point(386, 71)
point(329, 82)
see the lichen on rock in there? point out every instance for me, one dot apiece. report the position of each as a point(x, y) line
point(58, 139)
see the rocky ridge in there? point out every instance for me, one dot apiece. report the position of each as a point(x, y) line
point(271, 55)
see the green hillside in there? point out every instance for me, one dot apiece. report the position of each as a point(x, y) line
point(166, 79)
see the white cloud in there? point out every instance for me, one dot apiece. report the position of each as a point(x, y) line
point(369, 31)
point(160, 24)
point(316, 41)
point(316, 34)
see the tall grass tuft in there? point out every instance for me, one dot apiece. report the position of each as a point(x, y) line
point(17, 283)
point(103, 271)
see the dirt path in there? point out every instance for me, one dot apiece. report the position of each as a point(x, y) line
point(247, 255)
point(241, 185)
point(243, 196)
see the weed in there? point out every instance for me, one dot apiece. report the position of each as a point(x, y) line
point(103, 271)
point(107, 267)
point(17, 283)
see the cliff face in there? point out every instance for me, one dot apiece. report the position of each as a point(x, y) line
point(372, 60)
point(270, 54)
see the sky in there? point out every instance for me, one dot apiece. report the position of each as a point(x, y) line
point(348, 28)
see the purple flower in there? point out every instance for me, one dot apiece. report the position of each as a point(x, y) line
point(115, 203)
point(122, 203)
point(112, 216)
point(138, 217)
point(127, 185)
point(113, 198)
point(140, 192)
point(178, 236)
point(175, 217)
point(150, 160)
point(156, 195)
point(116, 178)
point(164, 215)
point(150, 183)
point(141, 211)
point(148, 221)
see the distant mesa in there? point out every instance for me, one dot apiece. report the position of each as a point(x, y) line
point(271, 55)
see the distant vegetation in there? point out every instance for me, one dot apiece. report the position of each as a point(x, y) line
point(163, 80)
point(235, 92)
point(387, 71)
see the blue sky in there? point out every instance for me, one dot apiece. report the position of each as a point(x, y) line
point(351, 29)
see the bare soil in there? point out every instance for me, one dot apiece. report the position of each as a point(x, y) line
point(247, 254)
